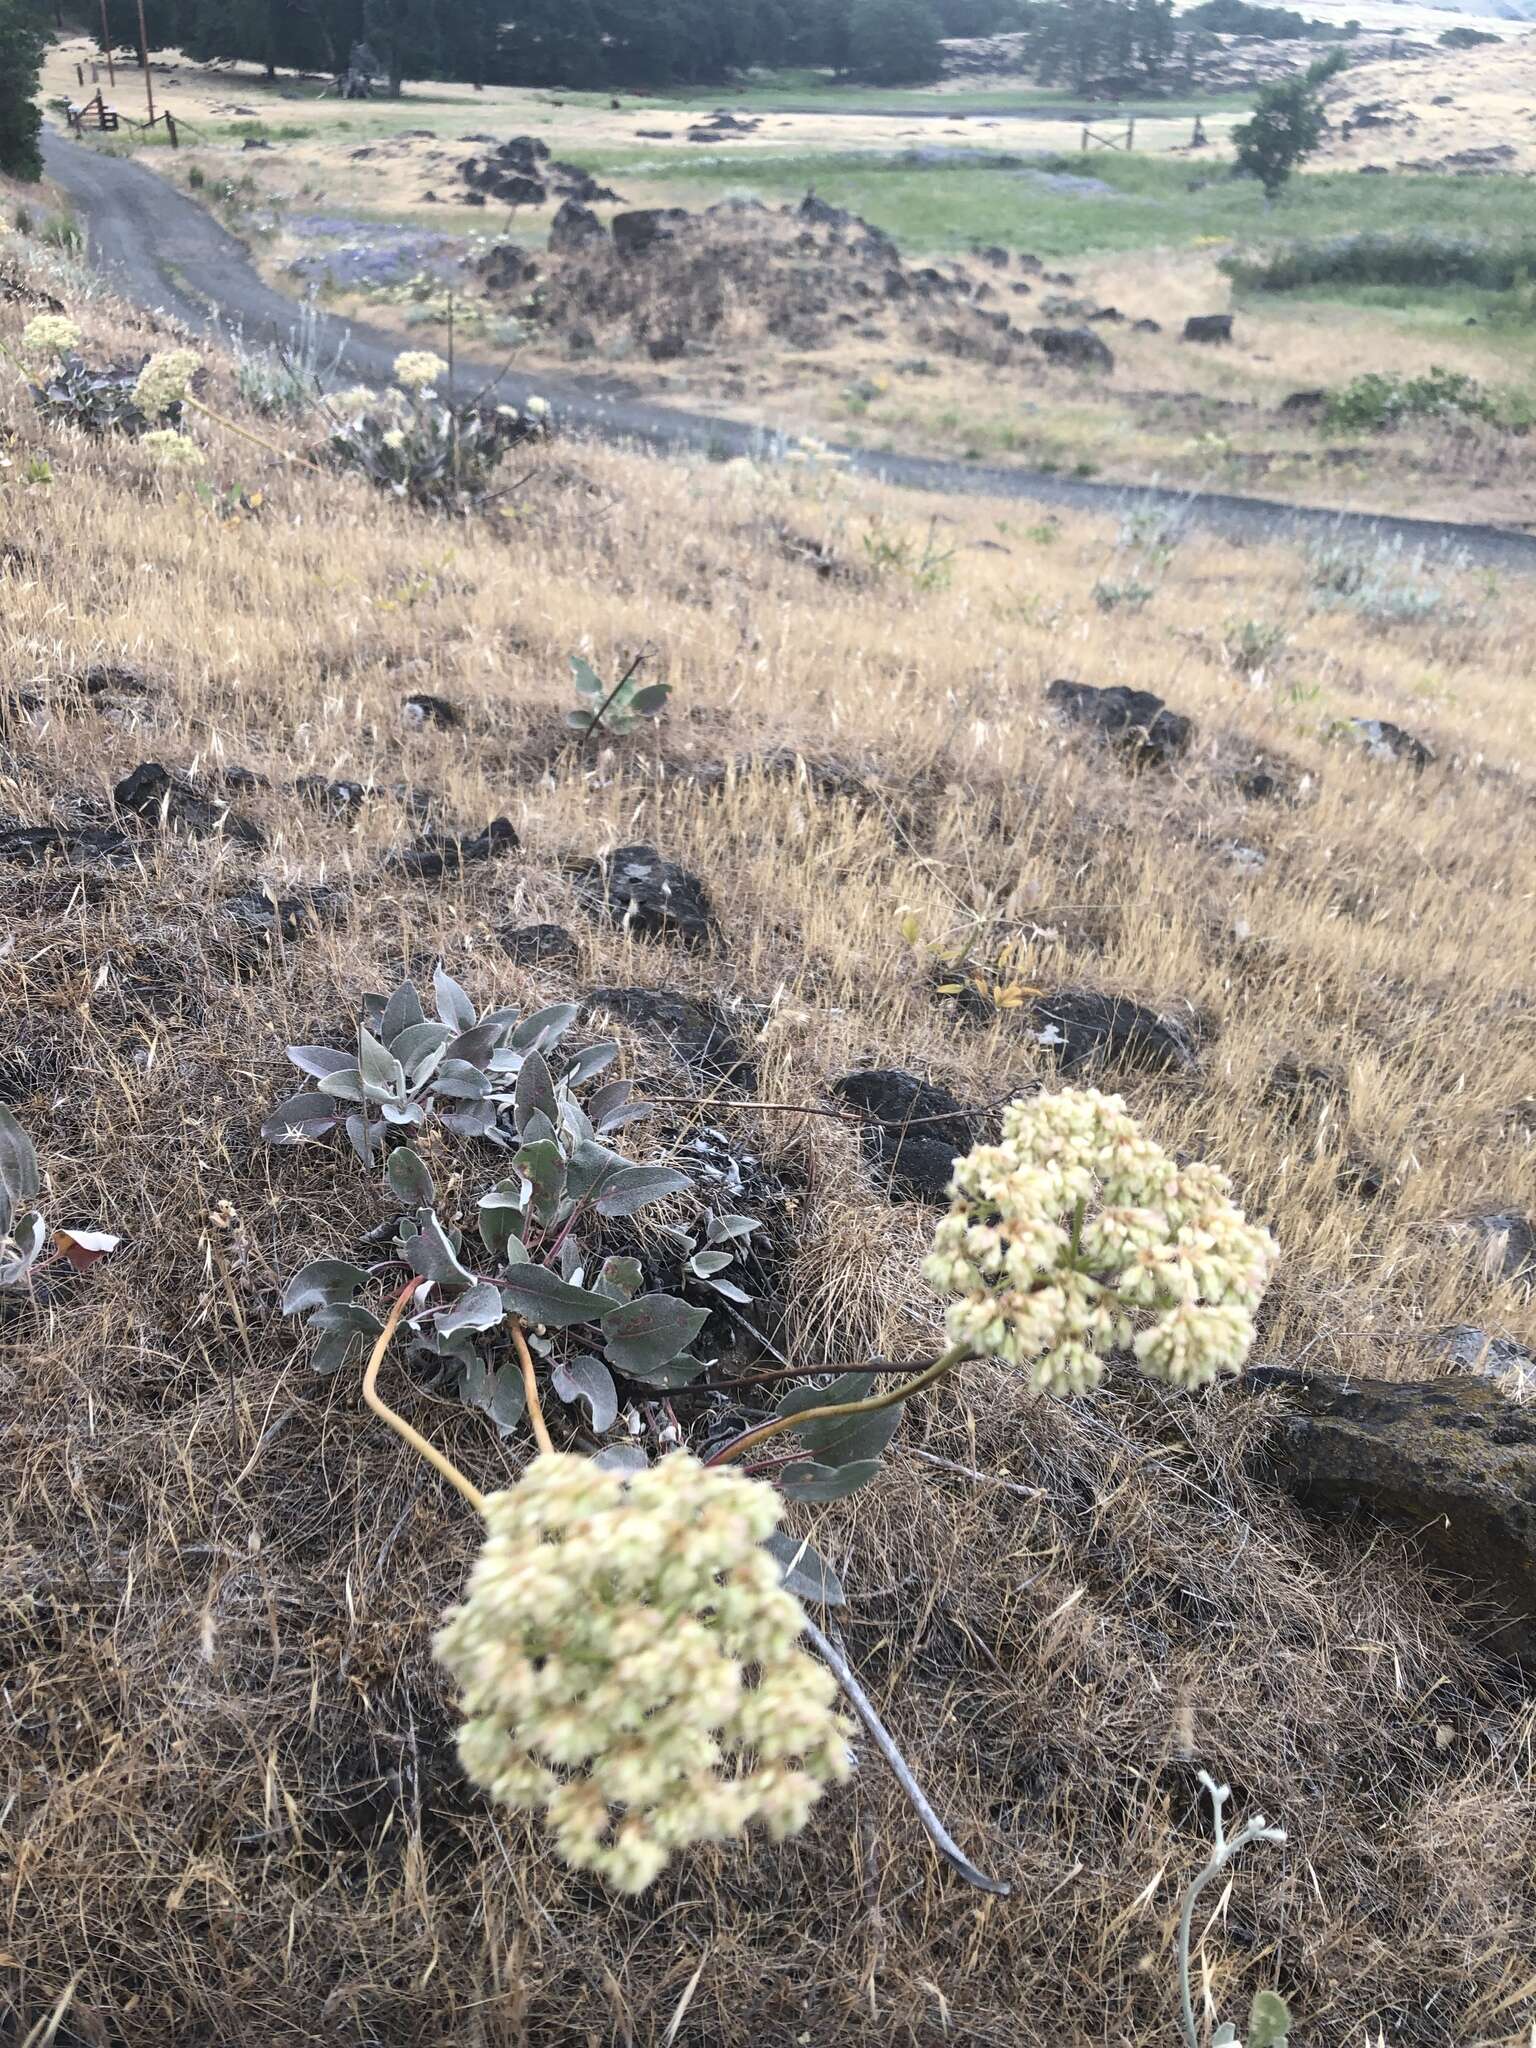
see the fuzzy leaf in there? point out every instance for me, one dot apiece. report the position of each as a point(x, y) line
point(588, 1379)
point(401, 1011)
point(300, 1117)
point(649, 700)
point(843, 1440)
point(534, 1094)
point(620, 1458)
point(418, 1043)
point(461, 1082)
point(342, 1084)
point(453, 1005)
point(622, 1278)
point(539, 1296)
point(409, 1181)
point(320, 1060)
point(323, 1283)
point(383, 1076)
point(606, 1105)
point(592, 1062)
point(19, 1175)
point(588, 682)
point(642, 1336)
point(543, 1166)
point(810, 1481)
point(478, 1308)
point(705, 1265)
point(434, 1258)
point(805, 1571)
point(1269, 2020)
point(629, 1188)
point(545, 1028)
point(500, 1395)
point(474, 1047)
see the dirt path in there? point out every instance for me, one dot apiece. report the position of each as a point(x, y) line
point(162, 250)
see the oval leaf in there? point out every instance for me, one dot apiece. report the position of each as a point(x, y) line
point(628, 1188)
point(540, 1296)
point(811, 1481)
point(479, 1308)
point(322, 1284)
point(409, 1181)
point(641, 1336)
point(19, 1174)
point(588, 1379)
point(300, 1117)
point(805, 1571)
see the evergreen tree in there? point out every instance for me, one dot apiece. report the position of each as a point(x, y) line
point(23, 39)
point(1286, 125)
point(893, 42)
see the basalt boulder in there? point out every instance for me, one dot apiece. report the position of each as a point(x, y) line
point(1452, 1462)
point(1138, 721)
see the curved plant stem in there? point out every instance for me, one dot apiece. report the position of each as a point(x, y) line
point(245, 433)
point(831, 1653)
point(531, 1389)
point(867, 1406)
point(398, 1423)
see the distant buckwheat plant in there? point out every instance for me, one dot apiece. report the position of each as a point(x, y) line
point(417, 445)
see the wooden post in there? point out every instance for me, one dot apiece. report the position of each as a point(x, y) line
point(170, 129)
point(106, 44)
point(1130, 134)
point(1085, 138)
point(149, 90)
point(80, 74)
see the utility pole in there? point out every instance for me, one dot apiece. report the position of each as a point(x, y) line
point(149, 90)
point(106, 44)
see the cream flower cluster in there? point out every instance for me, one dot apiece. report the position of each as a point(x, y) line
point(631, 1668)
point(50, 335)
point(163, 382)
point(173, 450)
point(353, 402)
point(419, 370)
point(1077, 1235)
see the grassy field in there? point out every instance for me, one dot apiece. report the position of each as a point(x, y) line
point(233, 1810)
point(1146, 202)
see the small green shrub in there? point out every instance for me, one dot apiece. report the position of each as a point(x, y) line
point(61, 231)
point(1253, 645)
point(1380, 400)
point(1420, 257)
point(1113, 597)
point(618, 707)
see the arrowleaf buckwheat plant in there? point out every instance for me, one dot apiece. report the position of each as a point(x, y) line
point(411, 442)
point(539, 1260)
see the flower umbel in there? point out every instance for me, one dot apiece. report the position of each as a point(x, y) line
point(1077, 1234)
point(163, 382)
point(50, 335)
point(631, 1668)
point(419, 370)
point(173, 450)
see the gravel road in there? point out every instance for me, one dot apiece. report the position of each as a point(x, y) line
point(164, 251)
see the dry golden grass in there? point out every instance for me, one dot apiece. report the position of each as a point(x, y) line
point(232, 1810)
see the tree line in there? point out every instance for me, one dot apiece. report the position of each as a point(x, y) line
point(577, 43)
